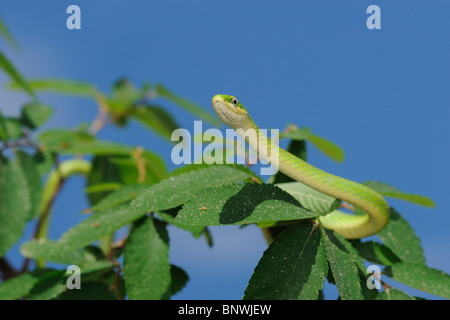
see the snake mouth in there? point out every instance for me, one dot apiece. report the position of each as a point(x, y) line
point(227, 112)
point(222, 101)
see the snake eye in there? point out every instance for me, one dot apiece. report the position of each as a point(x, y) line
point(235, 102)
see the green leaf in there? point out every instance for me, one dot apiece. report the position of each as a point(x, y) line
point(179, 278)
point(298, 134)
point(310, 198)
point(293, 267)
point(174, 191)
point(71, 142)
point(35, 114)
point(103, 171)
point(49, 286)
point(327, 147)
point(101, 187)
point(4, 32)
point(146, 264)
point(98, 225)
point(66, 249)
point(376, 252)
point(194, 167)
point(14, 203)
point(154, 165)
point(104, 222)
point(239, 204)
point(49, 250)
point(43, 161)
point(89, 291)
point(400, 237)
point(10, 128)
point(394, 294)
point(3, 132)
point(21, 285)
point(157, 119)
point(148, 168)
point(392, 192)
point(61, 86)
point(342, 265)
point(188, 105)
point(169, 217)
point(12, 72)
point(119, 196)
point(125, 93)
point(31, 172)
point(421, 277)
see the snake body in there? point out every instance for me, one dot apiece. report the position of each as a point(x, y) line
point(351, 226)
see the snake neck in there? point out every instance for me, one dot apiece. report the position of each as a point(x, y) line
point(360, 196)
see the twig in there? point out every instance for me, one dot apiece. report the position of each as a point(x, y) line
point(102, 119)
point(7, 269)
point(346, 205)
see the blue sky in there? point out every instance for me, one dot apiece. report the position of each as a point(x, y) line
point(382, 95)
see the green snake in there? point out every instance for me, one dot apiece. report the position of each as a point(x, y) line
point(351, 226)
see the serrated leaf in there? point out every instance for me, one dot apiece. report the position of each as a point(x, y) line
point(400, 237)
point(21, 285)
point(66, 249)
point(174, 191)
point(12, 72)
point(17, 287)
point(194, 167)
point(49, 250)
point(61, 86)
point(342, 265)
point(35, 114)
point(15, 203)
point(30, 170)
point(187, 105)
point(98, 225)
point(119, 196)
point(49, 286)
point(239, 204)
point(421, 277)
point(146, 264)
point(71, 142)
point(293, 267)
point(179, 278)
point(157, 119)
point(392, 192)
point(310, 198)
point(376, 252)
point(169, 217)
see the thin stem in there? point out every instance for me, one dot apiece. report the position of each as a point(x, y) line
point(53, 186)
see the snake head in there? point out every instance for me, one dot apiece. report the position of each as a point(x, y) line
point(230, 111)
